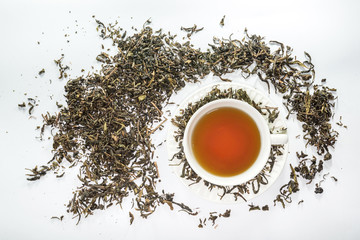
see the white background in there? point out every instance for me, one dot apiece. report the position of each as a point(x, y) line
point(328, 30)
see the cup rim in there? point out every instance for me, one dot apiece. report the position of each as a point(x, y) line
point(263, 155)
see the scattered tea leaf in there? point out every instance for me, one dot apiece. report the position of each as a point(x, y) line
point(222, 21)
point(252, 207)
point(58, 218)
point(42, 71)
point(131, 218)
point(191, 31)
point(22, 105)
point(319, 190)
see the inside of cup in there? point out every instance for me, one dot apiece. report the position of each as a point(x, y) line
point(255, 168)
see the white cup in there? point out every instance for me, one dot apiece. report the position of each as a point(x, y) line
point(266, 140)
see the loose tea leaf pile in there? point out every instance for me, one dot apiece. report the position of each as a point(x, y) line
point(108, 120)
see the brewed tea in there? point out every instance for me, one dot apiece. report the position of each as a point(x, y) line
point(226, 141)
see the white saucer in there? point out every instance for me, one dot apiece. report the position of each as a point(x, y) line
point(215, 194)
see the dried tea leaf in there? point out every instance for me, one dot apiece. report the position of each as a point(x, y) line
point(222, 23)
point(252, 207)
point(22, 105)
point(42, 71)
point(131, 218)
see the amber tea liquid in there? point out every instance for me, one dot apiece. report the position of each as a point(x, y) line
point(226, 141)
